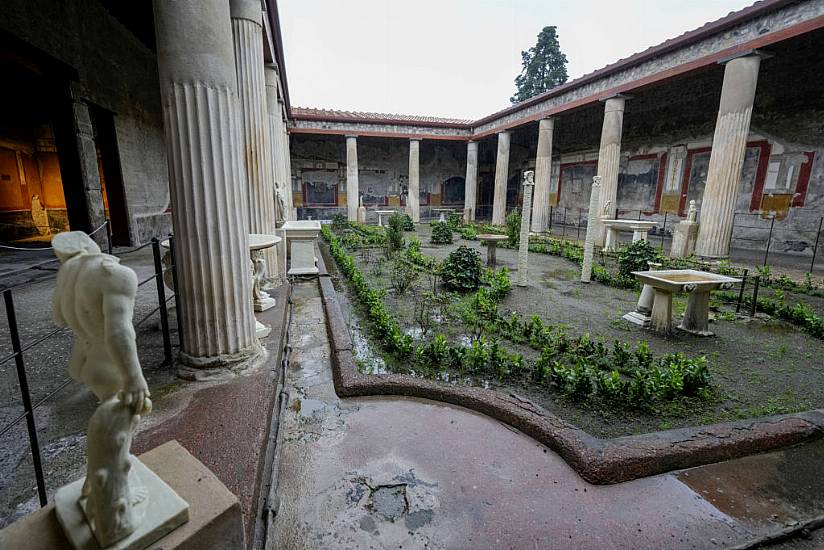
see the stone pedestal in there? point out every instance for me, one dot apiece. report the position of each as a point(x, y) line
point(592, 229)
point(471, 182)
point(361, 216)
point(209, 194)
point(696, 315)
point(609, 159)
point(642, 315)
point(683, 239)
point(501, 176)
point(662, 311)
point(729, 144)
point(526, 215)
point(413, 199)
point(247, 34)
point(352, 193)
point(215, 519)
point(543, 170)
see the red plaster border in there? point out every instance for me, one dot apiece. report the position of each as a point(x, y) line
point(599, 461)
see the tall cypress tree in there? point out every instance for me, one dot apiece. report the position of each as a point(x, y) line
point(544, 67)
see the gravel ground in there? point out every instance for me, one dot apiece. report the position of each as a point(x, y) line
point(759, 367)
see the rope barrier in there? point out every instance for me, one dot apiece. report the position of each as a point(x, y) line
point(10, 247)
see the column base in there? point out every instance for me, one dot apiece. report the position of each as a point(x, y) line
point(264, 303)
point(231, 361)
point(638, 318)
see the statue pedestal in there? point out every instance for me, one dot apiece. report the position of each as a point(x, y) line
point(162, 512)
point(215, 519)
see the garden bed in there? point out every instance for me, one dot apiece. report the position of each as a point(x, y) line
point(756, 369)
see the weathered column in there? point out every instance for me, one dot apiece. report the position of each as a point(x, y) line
point(247, 32)
point(413, 207)
point(592, 229)
point(352, 194)
point(276, 138)
point(526, 212)
point(198, 86)
point(609, 158)
point(501, 175)
point(727, 157)
point(290, 204)
point(543, 170)
point(471, 181)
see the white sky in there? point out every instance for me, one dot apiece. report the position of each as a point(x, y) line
point(458, 58)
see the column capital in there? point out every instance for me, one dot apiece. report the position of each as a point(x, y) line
point(415, 139)
point(747, 53)
point(246, 9)
point(351, 136)
point(616, 96)
point(502, 132)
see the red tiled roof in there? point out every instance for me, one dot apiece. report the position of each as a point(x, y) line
point(305, 113)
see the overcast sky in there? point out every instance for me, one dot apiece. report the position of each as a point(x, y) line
point(458, 58)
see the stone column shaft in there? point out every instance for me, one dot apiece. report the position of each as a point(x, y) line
point(501, 176)
point(279, 141)
point(592, 229)
point(526, 212)
point(471, 182)
point(208, 192)
point(729, 145)
point(247, 33)
point(543, 171)
point(89, 171)
point(609, 158)
point(352, 194)
point(413, 207)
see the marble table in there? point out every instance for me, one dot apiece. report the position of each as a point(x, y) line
point(300, 242)
point(443, 211)
point(491, 240)
point(381, 213)
point(697, 284)
point(639, 231)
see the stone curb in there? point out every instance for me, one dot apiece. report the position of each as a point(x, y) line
point(598, 461)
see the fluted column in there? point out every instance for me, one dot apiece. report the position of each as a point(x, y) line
point(727, 157)
point(277, 137)
point(501, 175)
point(543, 170)
point(413, 207)
point(471, 182)
point(247, 32)
point(209, 197)
point(609, 158)
point(287, 156)
point(352, 178)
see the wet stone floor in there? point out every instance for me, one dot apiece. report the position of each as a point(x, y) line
point(407, 473)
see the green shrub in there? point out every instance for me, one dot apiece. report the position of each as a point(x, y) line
point(636, 257)
point(469, 232)
point(394, 232)
point(499, 282)
point(462, 270)
point(408, 224)
point(339, 223)
point(441, 233)
point(513, 227)
point(401, 277)
point(454, 220)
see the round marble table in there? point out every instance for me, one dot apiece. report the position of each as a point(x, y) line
point(491, 240)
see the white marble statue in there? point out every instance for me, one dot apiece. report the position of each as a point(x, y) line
point(95, 297)
point(692, 213)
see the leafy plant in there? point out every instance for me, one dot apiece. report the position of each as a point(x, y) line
point(469, 232)
point(401, 277)
point(462, 270)
point(454, 220)
point(498, 281)
point(425, 312)
point(408, 224)
point(636, 257)
point(339, 223)
point(394, 233)
point(513, 227)
point(441, 233)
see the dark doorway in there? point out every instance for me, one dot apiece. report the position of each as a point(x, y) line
point(111, 176)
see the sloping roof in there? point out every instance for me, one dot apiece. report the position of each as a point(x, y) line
point(306, 113)
point(730, 20)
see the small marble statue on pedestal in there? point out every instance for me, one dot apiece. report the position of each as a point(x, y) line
point(120, 503)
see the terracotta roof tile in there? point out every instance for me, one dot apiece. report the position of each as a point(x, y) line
point(308, 113)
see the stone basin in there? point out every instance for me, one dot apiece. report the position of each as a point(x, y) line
point(629, 225)
point(685, 280)
point(301, 229)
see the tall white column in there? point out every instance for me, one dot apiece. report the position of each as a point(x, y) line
point(209, 196)
point(413, 207)
point(609, 158)
point(592, 228)
point(352, 201)
point(501, 175)
point(543, 170)
point(727, 157)
point(278, 139)
point(471, 182)
point(526, 212)
point(247, 32)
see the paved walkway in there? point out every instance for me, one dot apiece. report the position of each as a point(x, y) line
point(407, 473)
